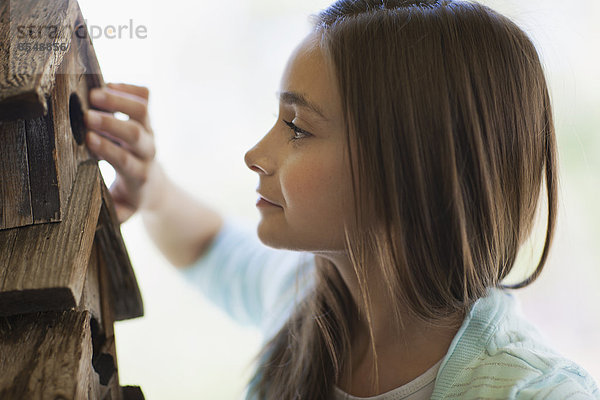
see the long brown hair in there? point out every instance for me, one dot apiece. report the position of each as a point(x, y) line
point(449, 119)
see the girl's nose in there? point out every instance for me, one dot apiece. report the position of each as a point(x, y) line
point(256, 162)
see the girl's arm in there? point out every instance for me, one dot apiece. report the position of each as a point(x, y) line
point(180, 226)
point(254, 284)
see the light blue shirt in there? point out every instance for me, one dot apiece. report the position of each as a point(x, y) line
point(496, 354)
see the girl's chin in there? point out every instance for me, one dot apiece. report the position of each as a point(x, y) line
point(270, 232)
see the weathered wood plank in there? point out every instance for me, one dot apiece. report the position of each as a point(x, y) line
point(43, 174)
point(48, 262)
point(15, 201)
point(91, 296)
point(108, 314)
point(13, 109)
point(7, 243)
point(47, 355)
point(87, 54)
point(125, 297)
point(69, 100)
point(27, 77)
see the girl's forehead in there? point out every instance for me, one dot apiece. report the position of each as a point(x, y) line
point(307, 73)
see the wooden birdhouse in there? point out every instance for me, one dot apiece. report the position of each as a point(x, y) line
point(65, 275)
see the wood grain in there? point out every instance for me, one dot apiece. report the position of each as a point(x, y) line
point(47, 264)
point(125, 297)
point(15, 200)
point(87, 54)
point(53, 154)
point(47, 355)
point(27, 77)
point(91, 294)
point(43, 175)
point(70, 81)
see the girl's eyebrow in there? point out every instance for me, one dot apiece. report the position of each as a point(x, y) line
point(299, 99)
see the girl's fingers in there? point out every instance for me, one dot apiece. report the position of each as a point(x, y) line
point(123, 161)
point(117, 101)
point(140, 91)
point(131, 132)
point(124, 212)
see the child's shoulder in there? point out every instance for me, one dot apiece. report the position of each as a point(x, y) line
point(521, 369)
point(498, 354)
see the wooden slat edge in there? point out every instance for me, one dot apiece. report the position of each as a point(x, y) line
point(126, 299)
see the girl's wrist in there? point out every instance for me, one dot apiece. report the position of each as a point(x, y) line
point(155, 190)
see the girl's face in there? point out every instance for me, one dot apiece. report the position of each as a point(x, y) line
point(306, 174)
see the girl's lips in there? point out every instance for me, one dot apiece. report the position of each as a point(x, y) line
point(266, 200)
point(262, 202)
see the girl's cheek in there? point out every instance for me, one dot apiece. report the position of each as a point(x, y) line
point(316, 184)
point(302, 185)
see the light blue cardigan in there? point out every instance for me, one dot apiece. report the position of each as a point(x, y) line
point(496, 353)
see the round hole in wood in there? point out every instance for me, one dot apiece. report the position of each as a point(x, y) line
point(76, 117)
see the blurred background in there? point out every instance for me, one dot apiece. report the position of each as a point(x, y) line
point(213, 69)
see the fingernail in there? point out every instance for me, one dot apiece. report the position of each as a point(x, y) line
point(93, 118)
point(93, 140)
point(97, 95)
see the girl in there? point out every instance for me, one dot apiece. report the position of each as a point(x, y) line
point(396, 187)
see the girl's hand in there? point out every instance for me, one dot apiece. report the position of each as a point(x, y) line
point(127, 145)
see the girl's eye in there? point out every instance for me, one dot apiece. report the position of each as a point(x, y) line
point(296, 131)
